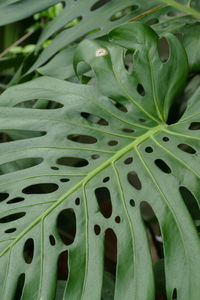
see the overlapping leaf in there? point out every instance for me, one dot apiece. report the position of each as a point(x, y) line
point(109, 140)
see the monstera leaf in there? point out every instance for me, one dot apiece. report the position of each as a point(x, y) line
point(91, 163)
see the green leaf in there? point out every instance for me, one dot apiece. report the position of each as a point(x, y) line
point(95, 19)
point(14, 10)
point(107, 144)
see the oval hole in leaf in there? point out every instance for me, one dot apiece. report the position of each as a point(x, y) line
point(66, 226)
point(132, 202)
point(190, 202)
point(99, 4)
point(140, 90)
point(112, 143)
point(3, 196)
point(12, 217)
point(162, 166)
point(128, 161)
point(134, 180)
point(119, 106)
point(152, 21)
point(73, 22)
point(163, 49)
point(19, 164)
point(123, 12)
point(94, 119)
point(128, 130)
point(83, 139)
point(52, 240)
point(17, 135)
point(19, 287)
point(149, 149)
point(194, 126)
point(28, 251)
point(106, 179)
point(128, 60)
point(76, 162)
point(10, 230)
point(186, 148)
point(104, 200)
point(77, 201)
point(15, 200)
point(97, 229)
point(40, 188)
point(40, 104)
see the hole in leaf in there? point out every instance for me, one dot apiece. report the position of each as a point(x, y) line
point(83, 139)
point(186, 148)
point(99, 4)
point(112, 143)
point(163, 49)
point(66, 225)
point(119, 106)
point(52, 240)
point(64, 180)
point(95, 156)
point(28, 251)
point(140, 90)
point(110, 255)
point(62, 266)
point(152, 21)
point(12, 217)
point(194, 126)
point(19, 164)
point(10, 135)
point(128, 161)
point(128, 130)
point(149, 149)
point(117, 219)
point(104, 200)
point(77, 201)
point(174, 295)
point(55, 168)
point(132, 203)
point(142, 120)
point(122, 13)
point(19, 287)
point(163, 166)
point(97, 229)
point(106, 179)
point(40, 188)
point(134, 180)
point(73, 22)
point(128, 60)
point(39, 104)
point(154, 232)
point(190, 202)
point(15, 200)
point(3, 196)
point(165, 139)
point(76, 162)
point(94, 119)
point(10, 230)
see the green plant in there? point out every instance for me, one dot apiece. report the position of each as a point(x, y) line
point(100, 175)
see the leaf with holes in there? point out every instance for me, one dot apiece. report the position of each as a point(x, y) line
point(83, 185)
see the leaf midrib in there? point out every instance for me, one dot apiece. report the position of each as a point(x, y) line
point(86, 179)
